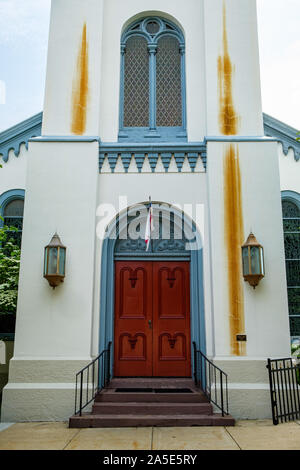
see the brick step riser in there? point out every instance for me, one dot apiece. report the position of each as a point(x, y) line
point(137, 409)
point(142, 421)
point(151, 398)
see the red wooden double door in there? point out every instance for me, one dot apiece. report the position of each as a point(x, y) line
point(152, 319)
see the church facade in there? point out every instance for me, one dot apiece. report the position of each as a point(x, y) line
point(158, 99)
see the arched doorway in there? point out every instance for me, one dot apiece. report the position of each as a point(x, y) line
point(161, 283)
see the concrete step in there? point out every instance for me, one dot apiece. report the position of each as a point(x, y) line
point(109, 395)
point(116, 421)
point(152, 409)
point(152, 383)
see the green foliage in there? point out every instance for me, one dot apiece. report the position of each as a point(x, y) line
point(296, 350)
point(9, 270)
point(296, 356)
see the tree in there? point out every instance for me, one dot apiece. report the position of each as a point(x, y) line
point(9, 269)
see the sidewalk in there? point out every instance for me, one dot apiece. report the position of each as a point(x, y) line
point(246, 435)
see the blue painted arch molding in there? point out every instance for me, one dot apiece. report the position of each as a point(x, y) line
point(167, 28)
point(106, 333)
point(9, 196)
point(291, 196)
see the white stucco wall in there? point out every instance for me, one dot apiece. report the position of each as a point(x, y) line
point(289, 171)
point(265, 308)
point(61, 196)
point(13, 172)
point(243, 52)
point(66, 27)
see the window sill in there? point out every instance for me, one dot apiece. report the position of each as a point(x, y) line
point(161, 134)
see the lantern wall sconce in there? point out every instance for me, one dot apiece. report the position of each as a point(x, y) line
point(253, 261)
point(55, 262)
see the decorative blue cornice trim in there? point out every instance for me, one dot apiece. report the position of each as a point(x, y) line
point(13, 138)
point(283, 133)
point(191, 150)
point(24, 132)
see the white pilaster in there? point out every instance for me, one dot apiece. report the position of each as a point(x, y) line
point(68, 18)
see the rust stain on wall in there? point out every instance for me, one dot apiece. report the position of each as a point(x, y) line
point(228, 118)
point(81, 87)
point(234, 238)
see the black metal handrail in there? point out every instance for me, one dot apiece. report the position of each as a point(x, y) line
point(212, 380)
point(92, 379)
point(284, 378)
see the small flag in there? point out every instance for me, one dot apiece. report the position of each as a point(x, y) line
point(149, 226)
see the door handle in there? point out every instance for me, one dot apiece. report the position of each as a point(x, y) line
point(150, 324)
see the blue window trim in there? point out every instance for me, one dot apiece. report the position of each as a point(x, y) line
point(291, 196)
point(152, 133)
point(9, 196)
point(294, 197)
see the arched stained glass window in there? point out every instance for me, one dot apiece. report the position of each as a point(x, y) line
point(11, 212)
point(13, 217)
point(152, 99)
point(291, 227)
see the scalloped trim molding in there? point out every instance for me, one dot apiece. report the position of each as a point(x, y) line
point(285, 134)
point(13, 138)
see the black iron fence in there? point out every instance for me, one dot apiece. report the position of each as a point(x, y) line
point(212, 381)
point(92, 379)
point(284, 377)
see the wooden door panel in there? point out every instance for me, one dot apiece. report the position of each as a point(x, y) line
point(171, 292)
point(133, 311)
point(133, 292)
point(171, 319)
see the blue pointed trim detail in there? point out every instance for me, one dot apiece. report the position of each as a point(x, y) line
point(140, 158)
point(179, 158)
point(193, 157)
point(166, 160)
point(153, 157)
point(126, 159)
point(191, 150)
point(112, 158)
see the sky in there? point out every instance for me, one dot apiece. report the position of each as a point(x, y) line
point(24, 27)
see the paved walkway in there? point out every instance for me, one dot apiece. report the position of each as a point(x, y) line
point(250, 435)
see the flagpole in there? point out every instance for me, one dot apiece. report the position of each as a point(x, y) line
point(149, 225)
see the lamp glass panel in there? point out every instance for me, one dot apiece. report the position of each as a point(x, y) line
point(246, 270)
point(52, 265)
point(62, 261)
point(262, 261)
point(255, 260)
point(45, 261)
